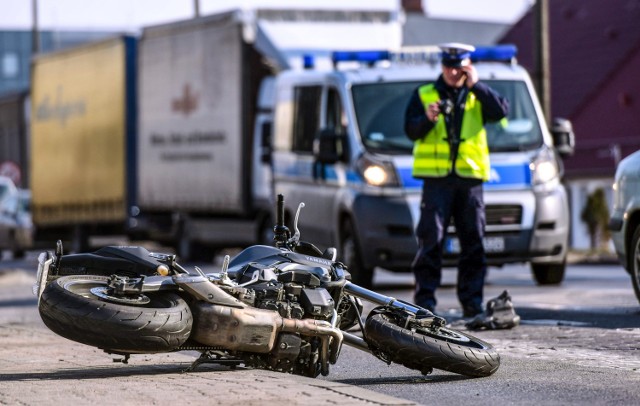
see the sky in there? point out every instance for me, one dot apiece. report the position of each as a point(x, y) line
point(131, 15)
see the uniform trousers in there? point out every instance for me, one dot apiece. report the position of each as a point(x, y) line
point(443, 199)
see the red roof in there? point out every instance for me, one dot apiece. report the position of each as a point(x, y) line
point(595, 76)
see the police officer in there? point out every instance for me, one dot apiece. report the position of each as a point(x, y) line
point(446, 121)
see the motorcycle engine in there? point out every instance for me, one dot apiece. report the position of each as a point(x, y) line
point(293, 294)
point(296, 294)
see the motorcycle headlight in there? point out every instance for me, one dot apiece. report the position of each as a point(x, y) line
point(377, 172)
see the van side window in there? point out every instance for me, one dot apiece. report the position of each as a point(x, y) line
point(306, 113)
point(335, 114)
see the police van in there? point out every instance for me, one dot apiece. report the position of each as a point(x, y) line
point(340, 147)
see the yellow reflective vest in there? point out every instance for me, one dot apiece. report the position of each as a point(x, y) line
point(432, 154)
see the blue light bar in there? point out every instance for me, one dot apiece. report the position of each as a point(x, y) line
point(429, 54)
point(497, 53)
point(308, 61)
point(369, 57)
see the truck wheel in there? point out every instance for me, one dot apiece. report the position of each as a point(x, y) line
point(634, 262)
point(80, 239)
point(548, 274)
point(195, 251)
point(184, 248)
point(265, 232)
point(350, 248)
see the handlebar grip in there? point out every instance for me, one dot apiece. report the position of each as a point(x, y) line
point(280, 231)
point(280, 211)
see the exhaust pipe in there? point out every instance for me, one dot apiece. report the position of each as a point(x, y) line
point(256, 330)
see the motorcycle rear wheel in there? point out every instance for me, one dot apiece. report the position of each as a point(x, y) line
point(423, 349)
point(70, 309)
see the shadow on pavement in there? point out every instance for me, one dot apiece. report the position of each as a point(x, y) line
point(90, 373)
point(436, 377)
point(601, 317)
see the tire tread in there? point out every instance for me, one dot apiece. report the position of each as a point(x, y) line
point(417, 351)
point(116, 327)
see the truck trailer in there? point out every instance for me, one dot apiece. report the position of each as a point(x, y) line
point(205, 99)
point(162, 137)
point(83, 134)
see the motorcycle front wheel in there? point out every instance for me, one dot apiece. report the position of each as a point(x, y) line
point(76, 307)
point(425, 348)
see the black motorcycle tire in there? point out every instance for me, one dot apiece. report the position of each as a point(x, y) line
point(448, 350)
point(69, 309)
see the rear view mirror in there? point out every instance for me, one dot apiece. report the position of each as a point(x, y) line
point(329, 147)
point(563, 137)
point(266, 149)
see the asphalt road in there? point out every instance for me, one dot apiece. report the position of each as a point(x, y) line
point(578, 343)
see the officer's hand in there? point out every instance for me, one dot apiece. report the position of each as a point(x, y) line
point(432, 112)
point(472, 75)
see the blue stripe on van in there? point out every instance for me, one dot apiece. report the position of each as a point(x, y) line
point(509, 175)
point(407, 180)
point(502, 176)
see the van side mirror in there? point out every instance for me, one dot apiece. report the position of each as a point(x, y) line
point(563, 137)
point(329, 146)
point(266, 149)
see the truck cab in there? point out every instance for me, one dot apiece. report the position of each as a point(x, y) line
point(340, 146)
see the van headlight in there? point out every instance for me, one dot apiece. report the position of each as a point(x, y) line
point(544, 168)
point(376, 172)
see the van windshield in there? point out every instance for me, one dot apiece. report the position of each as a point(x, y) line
point(380, 109)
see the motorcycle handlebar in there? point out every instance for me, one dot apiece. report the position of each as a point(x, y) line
point(280, 231)
point(280, 212)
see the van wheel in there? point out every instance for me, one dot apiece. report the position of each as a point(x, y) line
point(350, 248)
point(548, 274)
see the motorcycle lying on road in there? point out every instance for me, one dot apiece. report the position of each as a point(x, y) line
point(288, 307)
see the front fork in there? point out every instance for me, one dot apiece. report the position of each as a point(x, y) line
point(44, 263)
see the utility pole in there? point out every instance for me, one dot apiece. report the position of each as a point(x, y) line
point(542, 56)
point(35, 32)
point(196, 8)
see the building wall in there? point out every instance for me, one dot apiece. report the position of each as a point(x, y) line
point(579, 191)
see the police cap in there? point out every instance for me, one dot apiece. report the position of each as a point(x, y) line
point(455, 54)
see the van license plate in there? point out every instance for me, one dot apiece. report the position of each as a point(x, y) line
point(491, 244)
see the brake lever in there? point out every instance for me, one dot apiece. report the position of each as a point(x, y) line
point(293, 241)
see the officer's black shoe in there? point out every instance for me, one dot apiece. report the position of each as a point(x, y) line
point(427, 306)
point(468, 312)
